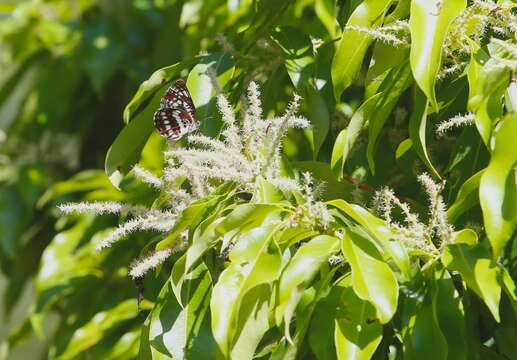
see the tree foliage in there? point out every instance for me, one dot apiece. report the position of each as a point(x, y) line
point(351, 193)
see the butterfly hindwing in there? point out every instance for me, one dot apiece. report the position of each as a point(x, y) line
point(173, 123)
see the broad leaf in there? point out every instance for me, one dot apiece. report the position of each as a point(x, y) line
point(478, 270)
point(353, 44)
point(357, 333)
point(428, 24)
point(300, 272)
point(239, 304)
point(497, 189)
point(372, 278)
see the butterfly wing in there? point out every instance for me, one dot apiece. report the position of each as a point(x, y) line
point(173, 123)
point(176, 115)
point(178, 96)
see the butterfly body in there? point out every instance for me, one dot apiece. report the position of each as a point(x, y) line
point(176, 115)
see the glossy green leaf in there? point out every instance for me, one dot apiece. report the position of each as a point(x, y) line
point(357, 333)
point(372, 278)
point(428, 24)
point(243, 217)
point(353, 44)
point(299, 61)
point(203, 90)
point(487, 82)
point(396, 81)
point(467, 197)
point(297, 52)
point(304, 314)
point(347, 137)
point(239, 304)
point(478, 270)
point(378, 229)
point(422, 336)
point(318, 116)
point(384, 58)
point(497, 189)
point(195, 213)
point(156, 82)
point(183, 331)
point(299, 273)
point(417, 130)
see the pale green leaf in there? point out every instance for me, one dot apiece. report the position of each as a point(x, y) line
point(428, 24)
point(372, 278)
point(357, 333)
point(497, 188)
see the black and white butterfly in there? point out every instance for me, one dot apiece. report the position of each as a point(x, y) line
point(176, 115)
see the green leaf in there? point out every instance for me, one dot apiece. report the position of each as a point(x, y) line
point(372, 278)
point(125, 150)
point(239, 304)
point(497, 189)
point(467, 197)
point(347, 137)
point(510, 288)
point(318, 115)
point(299, 273)
point(304, 313)
point(385, 57)
point(421, 333)
point(202, 89)
point(195, 213)
point(428, 24)
point(487, 83)
point(297, 52)
point(357, 333)
point(396, 81)
point(156, 82)
point(183, 331)
point(417, 130)
point(450, 314)
point(322, 173)
point(353, 44)
point(299, 61)
point(243, 217)
point(96, 329)
point(381, 233)
point(478, 270)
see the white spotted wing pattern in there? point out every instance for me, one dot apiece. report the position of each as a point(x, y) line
point(176, 115)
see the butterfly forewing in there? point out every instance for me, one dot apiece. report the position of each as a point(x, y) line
point(176, 115)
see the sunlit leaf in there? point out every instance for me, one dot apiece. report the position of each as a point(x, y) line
point(353, 44)
point(372, 278)
point(428, 23)
point(478, 270)
point(497, 188)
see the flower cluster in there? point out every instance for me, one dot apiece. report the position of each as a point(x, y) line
point(246, 153)
point(428, 238)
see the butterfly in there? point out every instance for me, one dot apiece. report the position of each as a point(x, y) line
point(176, 115)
